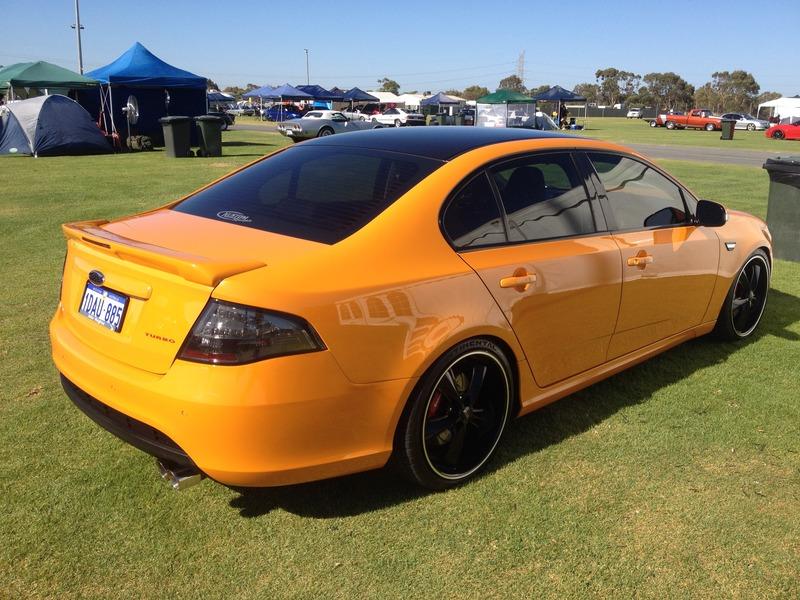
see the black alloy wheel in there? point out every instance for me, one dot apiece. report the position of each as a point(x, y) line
point(778, 135)
point(746, 300)
point(457, 415)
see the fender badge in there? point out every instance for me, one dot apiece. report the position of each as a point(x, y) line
point(731, 246)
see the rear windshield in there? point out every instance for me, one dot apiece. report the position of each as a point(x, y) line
point(319, 193)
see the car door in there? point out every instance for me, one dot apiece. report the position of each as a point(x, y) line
point(669, 263)
point(534, 233)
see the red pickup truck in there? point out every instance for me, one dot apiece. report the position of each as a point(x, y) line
point(698, 118)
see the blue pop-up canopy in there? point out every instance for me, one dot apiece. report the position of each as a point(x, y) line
point(320, 93)
point(358, 95)
point(158, 88)
point(288, 92)
point(262, 92)
point(440, 98)
point(138, 67)
point(558, 94)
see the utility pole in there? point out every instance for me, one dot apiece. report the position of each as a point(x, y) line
point(77, 27)
point(308, 79)
point(521, 67)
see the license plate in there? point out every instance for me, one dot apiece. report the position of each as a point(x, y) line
point(103, 306)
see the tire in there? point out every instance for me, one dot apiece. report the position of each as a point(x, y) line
point(325, 131)
point(397, 123)
point(374, 121)
point(670, 125)
point(710, 127)
point(224, 126)
point(745, 302)
point(751, 127)
point(653, 123)
point(456, 415)
point(778, 135)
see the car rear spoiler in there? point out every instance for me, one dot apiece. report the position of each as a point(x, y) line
point(191, 267)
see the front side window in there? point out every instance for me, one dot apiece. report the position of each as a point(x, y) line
point(322, 194)
point(544, 197)
point(472, 219)
point(639, 196)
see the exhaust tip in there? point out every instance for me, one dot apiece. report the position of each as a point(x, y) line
point(178, 477)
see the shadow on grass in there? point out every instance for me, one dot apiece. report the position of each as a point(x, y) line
point(366, 492)
point(232, 144)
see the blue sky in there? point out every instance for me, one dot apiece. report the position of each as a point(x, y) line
point(423, 46)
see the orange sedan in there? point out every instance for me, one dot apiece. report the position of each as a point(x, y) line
point(390, 294)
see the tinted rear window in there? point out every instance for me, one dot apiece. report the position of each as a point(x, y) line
point(322, 194)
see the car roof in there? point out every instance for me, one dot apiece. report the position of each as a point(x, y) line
point(440, 143)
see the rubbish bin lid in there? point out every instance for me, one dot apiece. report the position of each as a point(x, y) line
point(787, 164)
point(211, 118)
point(175, 119)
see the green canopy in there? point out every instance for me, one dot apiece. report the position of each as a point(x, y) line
point(42, 75)
point(505, 97)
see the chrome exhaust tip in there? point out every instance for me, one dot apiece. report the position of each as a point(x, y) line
point(180, 478)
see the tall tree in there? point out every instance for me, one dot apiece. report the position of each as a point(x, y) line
point(453, 93)
point(590, 91)
point(666, 90)
point(539, 89)
point(615, 85)
point(766, 97)
point(473, 92)
point(512, 82)
point(388, 85)
point(730, 91)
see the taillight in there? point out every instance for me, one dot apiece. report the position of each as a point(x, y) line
point(233, 334)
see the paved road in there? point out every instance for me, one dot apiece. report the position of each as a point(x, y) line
point(749, 158)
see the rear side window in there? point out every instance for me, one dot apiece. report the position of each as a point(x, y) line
point(472, 219)
point(323, 194)
point(639, 196)
point(544, 198)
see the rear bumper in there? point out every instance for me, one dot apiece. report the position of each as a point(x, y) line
point(275, 422)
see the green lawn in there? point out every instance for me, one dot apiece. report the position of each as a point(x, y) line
point(678, 478)
point(637, 131)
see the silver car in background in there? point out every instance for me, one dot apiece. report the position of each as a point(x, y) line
point(745, 121)
point(319, 123)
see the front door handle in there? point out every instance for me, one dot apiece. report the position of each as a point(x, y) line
point(640, 261)
point(521, 280)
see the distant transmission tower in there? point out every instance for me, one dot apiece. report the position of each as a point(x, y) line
point(521, 66)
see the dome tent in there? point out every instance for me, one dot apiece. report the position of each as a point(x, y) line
point(49, 126)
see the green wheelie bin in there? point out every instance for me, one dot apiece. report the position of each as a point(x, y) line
point(209, 129)
point(783, 207)
point(177, 136)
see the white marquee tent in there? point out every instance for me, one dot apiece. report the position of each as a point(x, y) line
point(785, 109)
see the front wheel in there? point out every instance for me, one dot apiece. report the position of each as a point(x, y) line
point(710, 127)
point(325, 131)
point(653, 124)
point(456, 415)
point(744, 305)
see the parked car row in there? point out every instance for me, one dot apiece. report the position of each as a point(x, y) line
point(321, 123)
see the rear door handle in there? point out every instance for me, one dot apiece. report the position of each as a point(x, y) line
point(518, 281)
point(640, 261)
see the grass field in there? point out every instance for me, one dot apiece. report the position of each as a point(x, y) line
point(637, 131)
point(678, 478)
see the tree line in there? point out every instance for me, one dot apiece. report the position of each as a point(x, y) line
point(728, 91)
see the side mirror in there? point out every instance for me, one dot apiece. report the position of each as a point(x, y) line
point(711, 214)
